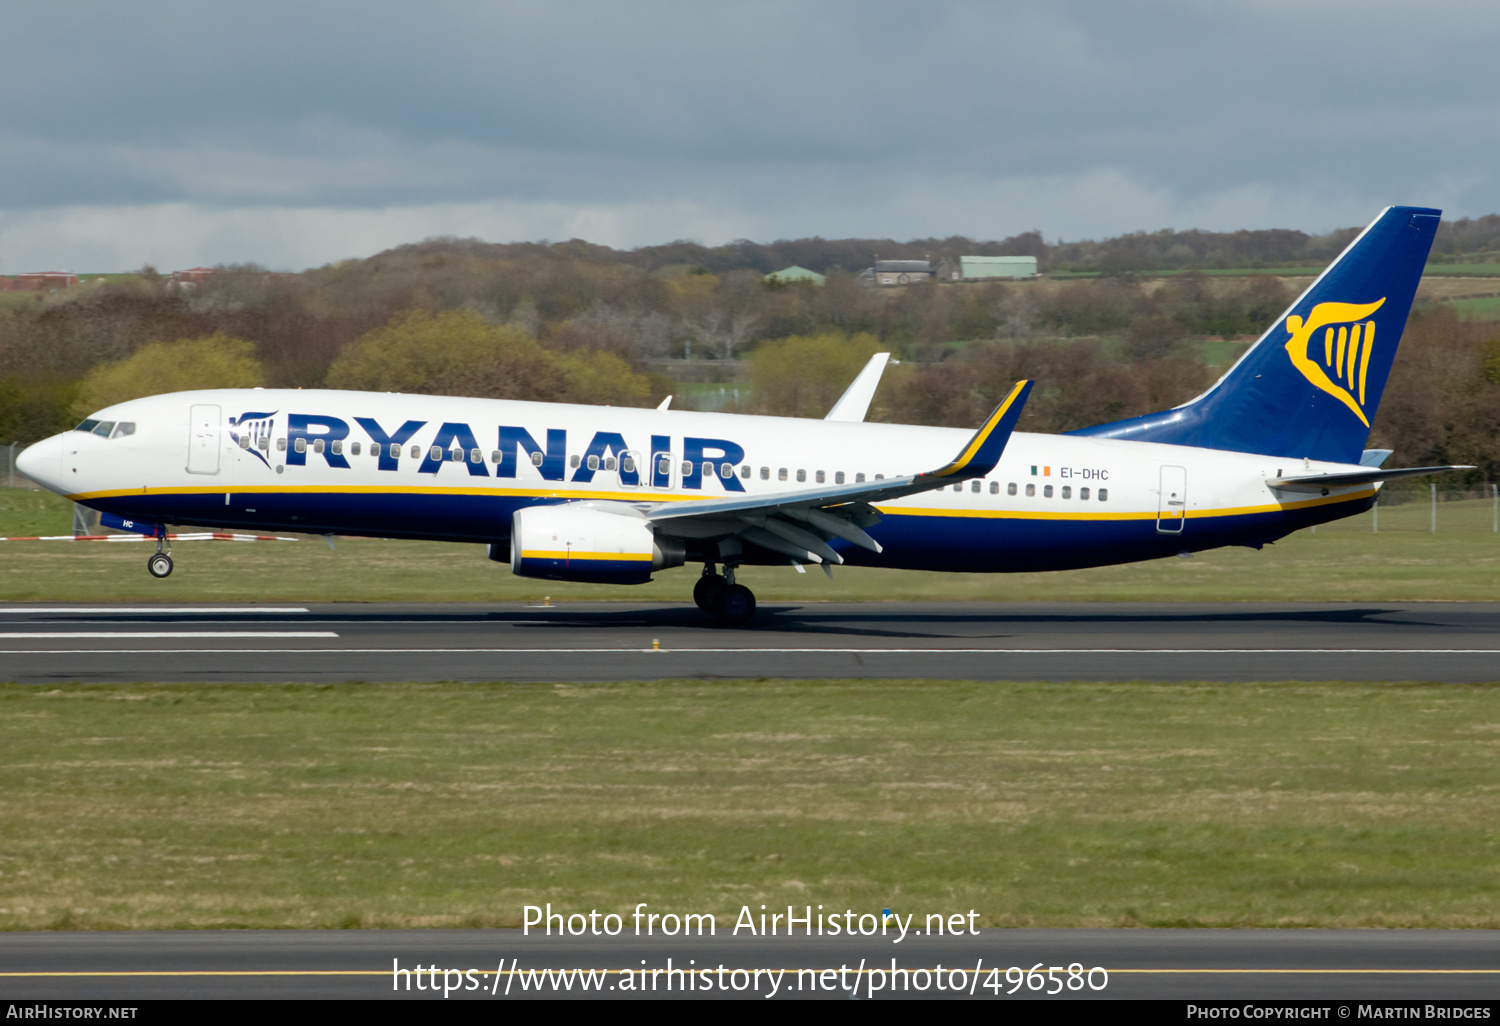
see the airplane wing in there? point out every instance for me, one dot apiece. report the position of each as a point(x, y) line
point(1314, 482)
point(800, 524)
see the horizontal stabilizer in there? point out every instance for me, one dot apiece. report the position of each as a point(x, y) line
point(1314, 482)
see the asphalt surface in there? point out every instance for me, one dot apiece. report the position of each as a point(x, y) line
point(623, 641)
point(1351, 965)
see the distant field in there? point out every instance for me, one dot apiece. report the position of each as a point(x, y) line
point(216, 806)
point(1486, 309)
point(1483, 270)
point(1339, 562)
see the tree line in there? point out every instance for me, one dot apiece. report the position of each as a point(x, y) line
point(560, 324)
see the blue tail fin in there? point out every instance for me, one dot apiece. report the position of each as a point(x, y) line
point(1309, 387)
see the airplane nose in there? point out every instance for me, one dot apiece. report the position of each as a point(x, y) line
point(42, 463)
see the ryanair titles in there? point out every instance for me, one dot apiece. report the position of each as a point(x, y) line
point(328, 438)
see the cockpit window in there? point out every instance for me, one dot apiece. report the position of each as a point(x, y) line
point(123, 428)
point(103, 428)
point(87, 425)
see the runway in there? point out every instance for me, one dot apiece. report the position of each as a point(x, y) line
point(1457, 642)
point(1354, 965)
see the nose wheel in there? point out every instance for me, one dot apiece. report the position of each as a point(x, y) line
point(159, 565)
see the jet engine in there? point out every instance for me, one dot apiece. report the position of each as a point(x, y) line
point(578, 542)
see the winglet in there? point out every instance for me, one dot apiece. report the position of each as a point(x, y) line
point(979, 457)
point(855, 402)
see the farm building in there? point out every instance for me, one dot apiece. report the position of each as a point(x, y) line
point(40, 281)
point(898, 272)
point(795, 273)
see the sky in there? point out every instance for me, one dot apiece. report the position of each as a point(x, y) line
point(297, 134)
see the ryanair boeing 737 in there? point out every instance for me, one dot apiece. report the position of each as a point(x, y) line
point(587, 493)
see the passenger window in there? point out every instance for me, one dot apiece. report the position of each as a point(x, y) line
point(281, 445)
point(1067, 491)
point(746, 470)
point(765, 473)
point(416, 451)
point(395, 451)
point(859, 478)
point(994, 487)
point(475, 456)
point(263, 443)
point(593, 462)
point(495, 456)
point(627, 464)
point(353, 448)
point(1046, 491)
point(726, 469)
point(708, 469)
point(435, 453)
point(664, 467)
point(878, 477)
point(125, 427)
point(781, 474)
point(609, 463)
point(1083, 493)
point(573, 461)
point(536, 459)
point(801, 475)
point(1010, 489)
point(974, 486)
point(838, 477)
point(958, 487)
point(300, 445)
point(319, 445)
point(687, 468)
point(1104, 495)
point(244, 441)
point(338, 448)
point(1030, 490)
point(818, 477)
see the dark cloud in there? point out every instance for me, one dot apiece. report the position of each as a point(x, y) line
point(782, 118)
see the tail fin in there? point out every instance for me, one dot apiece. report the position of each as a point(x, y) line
point(1310, 386)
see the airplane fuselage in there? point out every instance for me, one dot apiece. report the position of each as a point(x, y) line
point(455, 469)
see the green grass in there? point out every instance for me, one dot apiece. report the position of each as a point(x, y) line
point(1483, 309)
point(1339, 562)
point(1479, 270)
point(176, 806)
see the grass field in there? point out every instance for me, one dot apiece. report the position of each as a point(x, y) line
point(1340, 562)
point(167, 806)
point(1482, 309)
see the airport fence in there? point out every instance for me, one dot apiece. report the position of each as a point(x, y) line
point(9, 475)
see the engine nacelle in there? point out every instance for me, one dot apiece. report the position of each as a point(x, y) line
point(574, 542)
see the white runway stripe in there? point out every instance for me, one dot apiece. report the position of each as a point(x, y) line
point(194, 635)
point(678, 651)
point(33, 610)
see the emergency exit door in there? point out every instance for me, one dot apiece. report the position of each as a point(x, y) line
point(1171, 510)
point(203, 440)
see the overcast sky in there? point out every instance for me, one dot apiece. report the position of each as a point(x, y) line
point(294, 134)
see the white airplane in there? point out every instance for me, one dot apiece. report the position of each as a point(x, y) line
point(588, 493)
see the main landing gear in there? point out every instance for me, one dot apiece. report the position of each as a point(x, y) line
point(160, 564)
point(718, 594)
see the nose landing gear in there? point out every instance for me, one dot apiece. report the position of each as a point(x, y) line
point(160, 564)
point(719, 595)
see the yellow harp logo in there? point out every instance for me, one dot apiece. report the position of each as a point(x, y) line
point(1347, 345)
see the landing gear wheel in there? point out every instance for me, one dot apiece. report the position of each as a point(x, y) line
point(736, 604)
point(706, 592)
point(160, 565)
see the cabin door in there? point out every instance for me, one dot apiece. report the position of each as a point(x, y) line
point(203, 440)
point(1171, 510)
